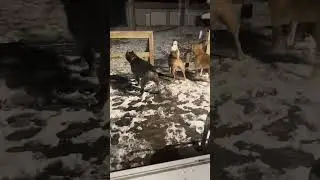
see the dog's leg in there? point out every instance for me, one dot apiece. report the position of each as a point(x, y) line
point(197, 67)
point(314, 52)
point(103, 93)
point(229, 18)
point(89, 57)
point(155, 79)
point(276, 9)
point(184, 74)
point(292, 34)
point(234, 27)
point(143, 83)
point(174, 72)
point(137, 79)
point(240, 53)
point(201, 70)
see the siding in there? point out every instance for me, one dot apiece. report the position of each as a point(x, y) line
point(165, 17)
point(165, 14)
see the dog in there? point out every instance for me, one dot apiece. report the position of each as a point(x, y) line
point(293, 12)
point(142, 70)
point(202, 59)
point(175, 63)
point(175, 47)
point(298, 30)
point(225, 12)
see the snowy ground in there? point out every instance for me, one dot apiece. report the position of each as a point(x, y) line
point(141, 125)
point(63, 139)
point(266, 122)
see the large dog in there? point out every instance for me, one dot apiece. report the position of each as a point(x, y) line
point(88, 22)
point(142, 70)
point(294, 12)
point(226, 12)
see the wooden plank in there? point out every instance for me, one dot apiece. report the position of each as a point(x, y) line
point(130, 34)
point(151, 48)
point(137, 35)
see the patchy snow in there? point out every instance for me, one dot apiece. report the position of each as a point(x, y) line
point(38, 141)
point(266, 118)
point(12, 162)
point(175, 115)
point(175, 134)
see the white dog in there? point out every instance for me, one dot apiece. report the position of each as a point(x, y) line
point(175, 47)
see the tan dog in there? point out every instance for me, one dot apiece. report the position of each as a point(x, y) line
point(304, 29)
point(225, 12)
point(175, 63)
point(175, 47)
point(202, 60)
point(294, 11)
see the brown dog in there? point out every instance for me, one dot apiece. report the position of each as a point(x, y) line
point(293, 11)
point(202, 60)
point(225, 12)
point(175, 63)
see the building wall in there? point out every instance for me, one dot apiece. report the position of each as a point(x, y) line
point(166, 15)
point(45, 19)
